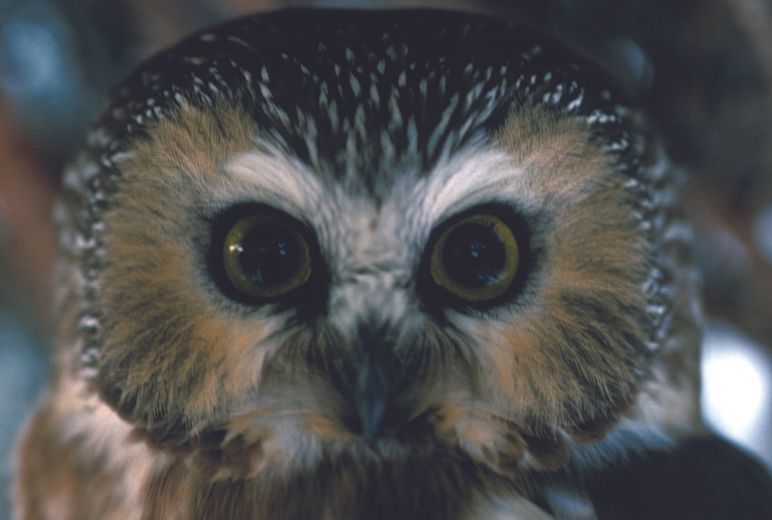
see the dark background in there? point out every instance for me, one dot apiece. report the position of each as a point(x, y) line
point(702, 69)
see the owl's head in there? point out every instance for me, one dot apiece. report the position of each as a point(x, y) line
point(303, 235)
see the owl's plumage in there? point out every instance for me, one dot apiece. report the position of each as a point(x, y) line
point(371, 386)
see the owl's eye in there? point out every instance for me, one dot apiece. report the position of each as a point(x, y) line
point(475, 258)
point(264, 257)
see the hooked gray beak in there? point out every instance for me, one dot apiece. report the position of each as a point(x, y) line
point(373, 394)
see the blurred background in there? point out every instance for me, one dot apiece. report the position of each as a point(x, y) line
point(702, 68)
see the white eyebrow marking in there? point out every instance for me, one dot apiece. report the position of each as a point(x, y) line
point(270, 177)
point(475, 176)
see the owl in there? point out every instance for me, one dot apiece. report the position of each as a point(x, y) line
point(345, 264)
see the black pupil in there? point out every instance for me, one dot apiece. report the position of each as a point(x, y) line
point(474, 255)
point(269, 254)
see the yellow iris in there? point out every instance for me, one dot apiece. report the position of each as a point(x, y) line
point(475, 258)
point(264, 257)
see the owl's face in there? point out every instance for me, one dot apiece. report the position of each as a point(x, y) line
point(311, 242)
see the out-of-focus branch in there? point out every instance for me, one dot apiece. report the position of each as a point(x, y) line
point(26, 232)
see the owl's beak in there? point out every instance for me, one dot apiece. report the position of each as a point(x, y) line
point(372, 396)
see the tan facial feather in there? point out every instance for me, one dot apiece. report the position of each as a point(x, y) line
point(561, 162)
point(569, 360)
point(171, 358)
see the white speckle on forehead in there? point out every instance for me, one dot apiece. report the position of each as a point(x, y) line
point(599, 116)
point(552, 98)
point(442, 126)
point(576, 102)
point(396, 113)
point(265, 91)
point(532, 52)
point(473, 95)
point(332, 113)
point(239, 41)
point(360, 121)
point(194, 60)
point(391, 53)
point(374, 96)
point(356, 88)
point(387, 145)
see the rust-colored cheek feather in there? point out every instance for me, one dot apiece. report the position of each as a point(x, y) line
point(376, 265)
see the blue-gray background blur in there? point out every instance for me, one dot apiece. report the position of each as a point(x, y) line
point(703, 68)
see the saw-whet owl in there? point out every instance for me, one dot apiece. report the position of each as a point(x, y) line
point(342, 264)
